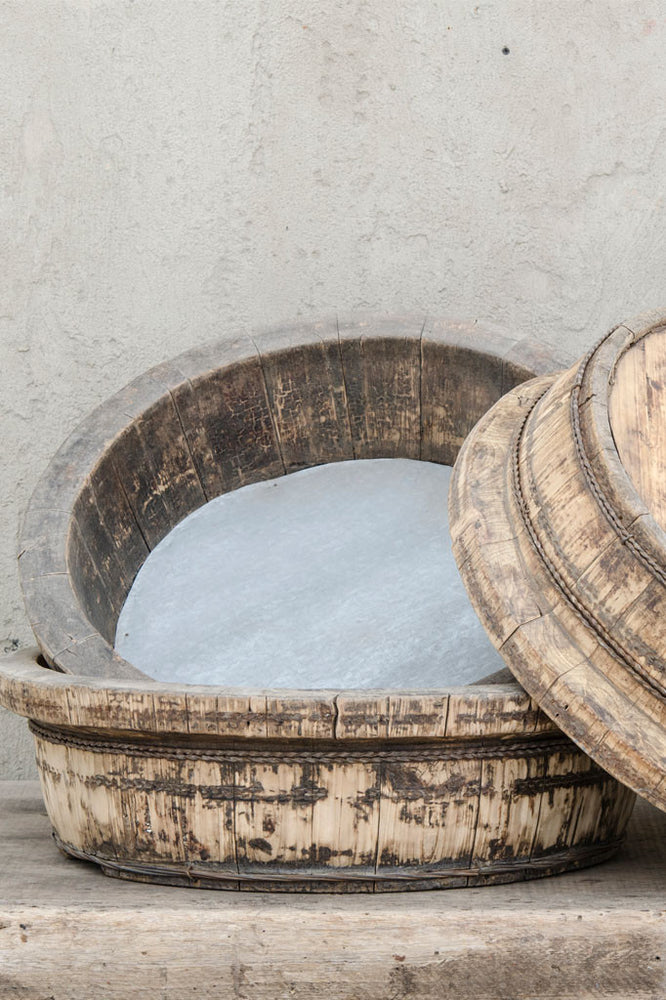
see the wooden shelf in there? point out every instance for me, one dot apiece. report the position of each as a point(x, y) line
point(67, 932)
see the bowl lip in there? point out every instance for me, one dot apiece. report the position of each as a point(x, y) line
point(570, 685)
point(67, 639)
point(26, 661)
point(469, 713)
point(602, 363)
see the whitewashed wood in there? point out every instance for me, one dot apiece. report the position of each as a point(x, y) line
point(330, 795)
point(66, 932)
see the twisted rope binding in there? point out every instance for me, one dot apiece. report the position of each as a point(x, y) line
point(582, 612)
point(486, 749)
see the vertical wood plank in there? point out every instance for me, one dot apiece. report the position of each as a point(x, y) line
point(273, 815)
point(509, 809)
point(227, 419)
point(382, 373)
point(302, 367)
point(345, 819)
point(460, 382)
point(428, 813)
point(153, 464)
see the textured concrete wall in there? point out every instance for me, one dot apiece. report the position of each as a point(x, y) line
point(171, 171)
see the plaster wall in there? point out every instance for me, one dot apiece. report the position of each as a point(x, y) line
point(173, 171)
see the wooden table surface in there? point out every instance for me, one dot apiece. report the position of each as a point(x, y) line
point(69, 933)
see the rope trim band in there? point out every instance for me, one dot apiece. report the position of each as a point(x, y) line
point(486, 749)
point(607, 508)
point(582, 612)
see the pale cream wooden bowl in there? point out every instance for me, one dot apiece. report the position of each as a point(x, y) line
point(289, 790)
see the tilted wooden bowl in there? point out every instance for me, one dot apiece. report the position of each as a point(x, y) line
point(558, 515)
point(232, 788)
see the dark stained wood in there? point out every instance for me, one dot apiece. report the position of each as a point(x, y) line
point(225, 412)
point(231, 413)
point(102, 604)
point(155, 471)
point(460, 380)
point(382, 372)
point(306, 389)
point(110, 527)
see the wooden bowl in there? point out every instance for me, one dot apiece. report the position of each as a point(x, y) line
point(324, 790)
point(558, 519)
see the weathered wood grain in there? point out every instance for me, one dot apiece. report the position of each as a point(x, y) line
point(112, 534)
point(230, 413)
point(381, 358)
point(204, 787)
point(637, 413)
point(461, 377)
point(155, 470)
point(306, 389)
point(346, 819)
point(69, 933)
point(577, 600)
point(102, 600)
point(227, 418)
point(129, 705)
point(343, 791)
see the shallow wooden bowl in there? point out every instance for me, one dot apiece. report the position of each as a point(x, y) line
point(324, 790)
point(564, 481)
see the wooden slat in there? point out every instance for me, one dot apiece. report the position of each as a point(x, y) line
point(608, 923)
point(429, 813)
point(224, 409)
point(382, 371)
point(461, 378)
point(302, 367)
point(637, 410)
point(154, 467)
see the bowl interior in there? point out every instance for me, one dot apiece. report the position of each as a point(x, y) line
point(235, 413)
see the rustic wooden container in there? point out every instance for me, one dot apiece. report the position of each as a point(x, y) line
point(564, 481)
point(324, 790)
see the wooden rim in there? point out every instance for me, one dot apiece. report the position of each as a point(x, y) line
point(487, 791)
point(560, 509)
point(131, 706)
point(420, 361)
point(592, 409)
